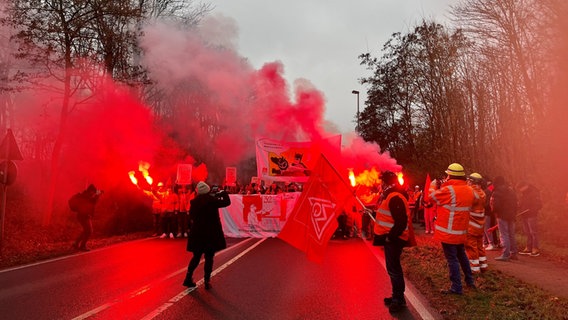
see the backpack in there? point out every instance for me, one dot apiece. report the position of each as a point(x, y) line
point(75, 202)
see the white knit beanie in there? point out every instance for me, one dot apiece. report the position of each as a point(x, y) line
point(202, 188)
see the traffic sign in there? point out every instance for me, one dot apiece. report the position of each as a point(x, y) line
point(8, 172)
point(9, 148)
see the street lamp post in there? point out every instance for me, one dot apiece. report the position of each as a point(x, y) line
point(357, 93)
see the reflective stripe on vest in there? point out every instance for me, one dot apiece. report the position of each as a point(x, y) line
point(450, 231)
point(477, 214)
point(474, 224)
point(386, 224)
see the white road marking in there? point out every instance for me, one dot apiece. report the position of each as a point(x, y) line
point(77, 253)
point(94, 311)
point(185, 292)
point(165, 306)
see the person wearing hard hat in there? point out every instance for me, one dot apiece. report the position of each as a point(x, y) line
point(474, 246)
point(454, 200)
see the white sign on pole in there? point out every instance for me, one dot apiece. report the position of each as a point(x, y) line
point(231, 176)
point(183, 174)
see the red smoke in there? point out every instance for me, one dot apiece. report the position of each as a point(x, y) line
point(201, 85)
point(247, 103)
point(107, 137)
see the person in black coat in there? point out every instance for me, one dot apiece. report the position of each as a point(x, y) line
point(529, 206)
point(504, 205)
point(85, 207)
point(206, 235)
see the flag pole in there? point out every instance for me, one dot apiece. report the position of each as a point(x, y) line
point(367, 211)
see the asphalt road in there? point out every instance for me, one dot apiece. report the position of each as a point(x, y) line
point(252, 279)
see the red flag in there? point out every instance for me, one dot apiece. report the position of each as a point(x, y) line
point(314, 217)
point(426, 192)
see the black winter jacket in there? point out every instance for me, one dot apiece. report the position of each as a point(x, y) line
point(504, 202)
point(205, 229)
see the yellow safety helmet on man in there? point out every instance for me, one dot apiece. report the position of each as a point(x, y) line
point(456, 170)
point(476, 177)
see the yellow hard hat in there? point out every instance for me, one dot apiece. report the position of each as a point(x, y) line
point(455, 169)
point(475, 176)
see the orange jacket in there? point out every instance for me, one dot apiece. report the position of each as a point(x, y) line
point(477, 212)
point(384, 217)
point(184, 201)
point(170, 202)
point(454, 201)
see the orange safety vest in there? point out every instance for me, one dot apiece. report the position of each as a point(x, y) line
point(453, 202)
point(384, 218)
point(184, 201)
point(170, 202)
point(417, 196)
point(477, 212)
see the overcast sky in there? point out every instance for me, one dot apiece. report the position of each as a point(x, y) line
point(320, 40)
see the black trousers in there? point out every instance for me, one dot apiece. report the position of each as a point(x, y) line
point(87, 226)
point(207, 266)
point(393, 251)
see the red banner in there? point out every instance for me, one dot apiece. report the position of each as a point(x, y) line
point(314, 217)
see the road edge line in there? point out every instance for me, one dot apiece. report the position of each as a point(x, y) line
point(70, 255)
point(412, 294)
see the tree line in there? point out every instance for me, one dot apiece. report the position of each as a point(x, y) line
point(487, 91)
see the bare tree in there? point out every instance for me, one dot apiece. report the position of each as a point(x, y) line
point(6, 61)
point(69, 45)
point(511, 49)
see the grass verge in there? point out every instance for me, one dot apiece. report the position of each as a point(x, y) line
point(499, 296)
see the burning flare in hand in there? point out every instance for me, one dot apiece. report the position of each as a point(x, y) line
point(352, 178)
point(143, 168)
point(400, 178)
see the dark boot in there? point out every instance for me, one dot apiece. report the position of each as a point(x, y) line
point(207, 283)
point(188, 281)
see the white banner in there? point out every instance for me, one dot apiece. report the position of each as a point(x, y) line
point(257, 216)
